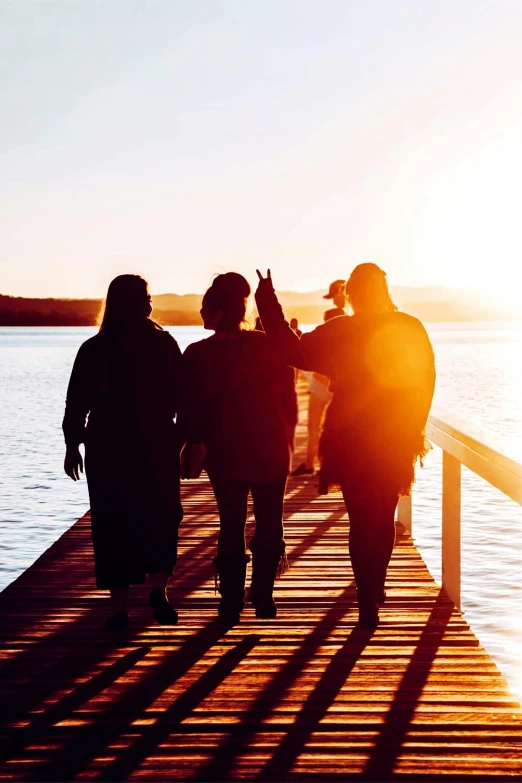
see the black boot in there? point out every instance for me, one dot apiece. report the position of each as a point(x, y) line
point(119, 621)
point(380, 596)
point(230, 581)
point(368, 615)
point(164, 613)
point(368, 606)
point(266, 566)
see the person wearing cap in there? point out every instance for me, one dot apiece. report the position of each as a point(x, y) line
point(318, 390)
point(382, 372)
point(294, 326)
point(337, 292)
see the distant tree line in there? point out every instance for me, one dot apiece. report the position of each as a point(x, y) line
point(19, 311)
point(183, 310)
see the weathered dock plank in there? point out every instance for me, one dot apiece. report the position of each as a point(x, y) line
point(303, 697)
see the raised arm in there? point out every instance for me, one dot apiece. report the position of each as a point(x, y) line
point(308, 352)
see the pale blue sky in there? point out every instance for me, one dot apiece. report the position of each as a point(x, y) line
point(178, 138)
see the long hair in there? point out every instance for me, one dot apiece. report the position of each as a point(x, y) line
point(229, 293)
point(367, 290)
point(125, 305)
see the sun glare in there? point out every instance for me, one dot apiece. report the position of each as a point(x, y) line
point(469, 224)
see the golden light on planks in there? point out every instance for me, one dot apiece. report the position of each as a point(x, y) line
point(304, 695)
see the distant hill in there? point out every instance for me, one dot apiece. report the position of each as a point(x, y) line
point(19, 311)
point(427, 303)
point(430, 304)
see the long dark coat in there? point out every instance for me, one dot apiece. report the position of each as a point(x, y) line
point(121, 402)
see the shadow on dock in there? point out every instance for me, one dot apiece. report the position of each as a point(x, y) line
point(304, 697)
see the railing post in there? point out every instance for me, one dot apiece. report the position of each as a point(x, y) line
point(451, 527)
point(404, 512)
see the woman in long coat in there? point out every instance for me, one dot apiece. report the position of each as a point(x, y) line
point(381, 367)
point(121, 402)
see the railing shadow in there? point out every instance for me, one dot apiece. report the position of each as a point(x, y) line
point(88, 742)
point(63, 708)
point(59, 674)
point(170, 721)
point(78, 660)
point(75, 748)
point(64, 671)
point(220, 767)
point(316, 706)
point(388, 745)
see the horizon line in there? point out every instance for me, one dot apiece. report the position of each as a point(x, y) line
point(279, 291)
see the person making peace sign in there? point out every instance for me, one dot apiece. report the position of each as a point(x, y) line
point(382, 371)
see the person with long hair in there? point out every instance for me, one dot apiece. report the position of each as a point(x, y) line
point(240, 412)
point(381, 366)
point(121, 403)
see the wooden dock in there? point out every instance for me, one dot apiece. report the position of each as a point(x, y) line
point(303, 697)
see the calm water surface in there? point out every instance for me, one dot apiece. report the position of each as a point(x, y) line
point(479, 376)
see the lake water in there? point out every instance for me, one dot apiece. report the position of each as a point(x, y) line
point(479, 370)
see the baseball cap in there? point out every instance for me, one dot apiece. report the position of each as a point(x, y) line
point(337, 287)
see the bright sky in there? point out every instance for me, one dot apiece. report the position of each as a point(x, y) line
point(177, 138)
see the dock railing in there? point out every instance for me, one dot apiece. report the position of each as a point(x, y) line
point(461, 444)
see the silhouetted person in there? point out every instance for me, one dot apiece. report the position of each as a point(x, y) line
point(318, 390)
point(241, 404)
point(336, 292)
point(319, 396)
point(126, 381)
point(294, 326)
point(382, 372)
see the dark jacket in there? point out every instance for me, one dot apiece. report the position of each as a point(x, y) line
point(240, 401)
point(382, 372)
point(123, 386)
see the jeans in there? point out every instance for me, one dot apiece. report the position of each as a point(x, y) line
point(232, 500)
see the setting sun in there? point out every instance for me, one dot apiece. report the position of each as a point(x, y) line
point(261, 382)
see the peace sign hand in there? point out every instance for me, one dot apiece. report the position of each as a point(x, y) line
point(265, 283)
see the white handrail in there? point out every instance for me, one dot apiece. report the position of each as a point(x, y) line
point(462, 444)
point(476, 451)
